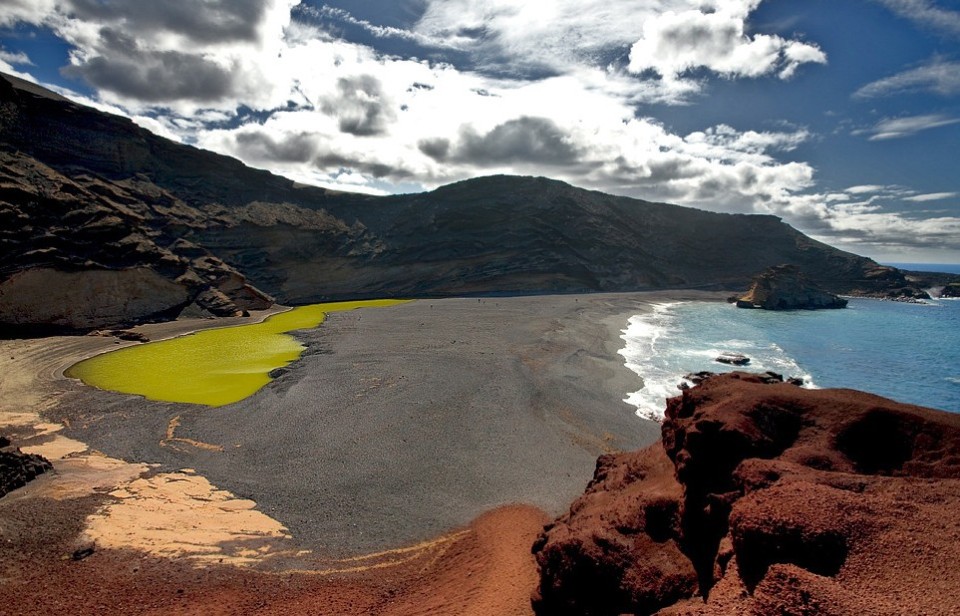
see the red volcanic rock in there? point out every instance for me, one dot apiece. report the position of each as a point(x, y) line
point(765, 498)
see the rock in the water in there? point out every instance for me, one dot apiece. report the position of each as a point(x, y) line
point(733, 359)
point(765, 498)
point(785, 287)
point(18, 468)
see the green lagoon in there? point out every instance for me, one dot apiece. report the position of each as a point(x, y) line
point(214, 367)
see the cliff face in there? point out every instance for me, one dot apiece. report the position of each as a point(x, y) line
point(84, 190)
point(81, 253)
point(784, 287)
point(765, 498)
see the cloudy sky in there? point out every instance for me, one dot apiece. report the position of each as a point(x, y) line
point(840, 116)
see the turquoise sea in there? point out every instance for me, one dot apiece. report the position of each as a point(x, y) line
point(907, 352)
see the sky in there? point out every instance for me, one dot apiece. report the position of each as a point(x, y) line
point(842, 117)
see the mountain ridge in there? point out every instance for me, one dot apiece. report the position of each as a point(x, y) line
point(230, 237)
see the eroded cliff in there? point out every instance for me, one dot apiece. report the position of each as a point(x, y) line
point(765, 498)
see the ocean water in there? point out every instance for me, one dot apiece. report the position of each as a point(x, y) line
point(949, 268)
point(907, 352)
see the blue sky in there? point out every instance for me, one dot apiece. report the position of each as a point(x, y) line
point(841, 116)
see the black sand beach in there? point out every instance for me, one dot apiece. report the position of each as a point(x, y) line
point(402, 423)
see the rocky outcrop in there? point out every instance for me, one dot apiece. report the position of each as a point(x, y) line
point(732, 359)
point(18, 468)
point(951, 290)
point(785, 287)
point(81, 253)
point(887, 282)
point(766, 498)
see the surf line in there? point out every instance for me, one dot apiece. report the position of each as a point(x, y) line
point(213, 367)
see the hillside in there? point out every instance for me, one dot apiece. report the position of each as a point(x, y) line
point(89, 200)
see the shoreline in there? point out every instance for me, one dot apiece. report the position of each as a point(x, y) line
point(524, 394)
point(368, 478)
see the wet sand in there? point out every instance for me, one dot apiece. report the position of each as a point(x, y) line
point(384, 446)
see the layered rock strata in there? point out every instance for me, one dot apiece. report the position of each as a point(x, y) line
point(81, 253)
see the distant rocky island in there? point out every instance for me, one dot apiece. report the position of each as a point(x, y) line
point(785, 287)
point(105, 224)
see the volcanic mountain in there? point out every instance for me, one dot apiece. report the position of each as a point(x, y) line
point(104, 223)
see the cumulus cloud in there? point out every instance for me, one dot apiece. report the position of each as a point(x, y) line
point(898, 128)
point(263, 147)
point(28, 11)
point(550, 88)
point(537, 35)
point(525, 140)
point(673, 44)
point(664, 37)
point(360, 105)
point(197, 21)
point(939, 76)
point(180, 54)
point(151, 76)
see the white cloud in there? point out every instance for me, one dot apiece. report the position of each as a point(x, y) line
point(341, 15)
point(10, 58)
point(865, 189)
point(926, 12)
point(898, 128)
point(672, 44)
point(796, 53)
point(938, 76)
point(29, 11)
point(932, 197)
point(341, 115)
point(553, 34)
point(669, 37)
point(178, 55)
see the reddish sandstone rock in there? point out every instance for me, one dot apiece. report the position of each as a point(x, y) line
point(781, 500)
point(617, 548)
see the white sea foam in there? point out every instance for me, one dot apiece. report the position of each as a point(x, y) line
point(676, 339)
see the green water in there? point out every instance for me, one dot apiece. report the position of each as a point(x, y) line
point(212, 367)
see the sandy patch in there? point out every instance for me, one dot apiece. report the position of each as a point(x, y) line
point(169, 514)
point(181, 515)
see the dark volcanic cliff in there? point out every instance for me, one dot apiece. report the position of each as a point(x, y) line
point(784, 287)
point(162, 205)
point(765, 498)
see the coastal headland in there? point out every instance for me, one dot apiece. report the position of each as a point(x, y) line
point(407, 442)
